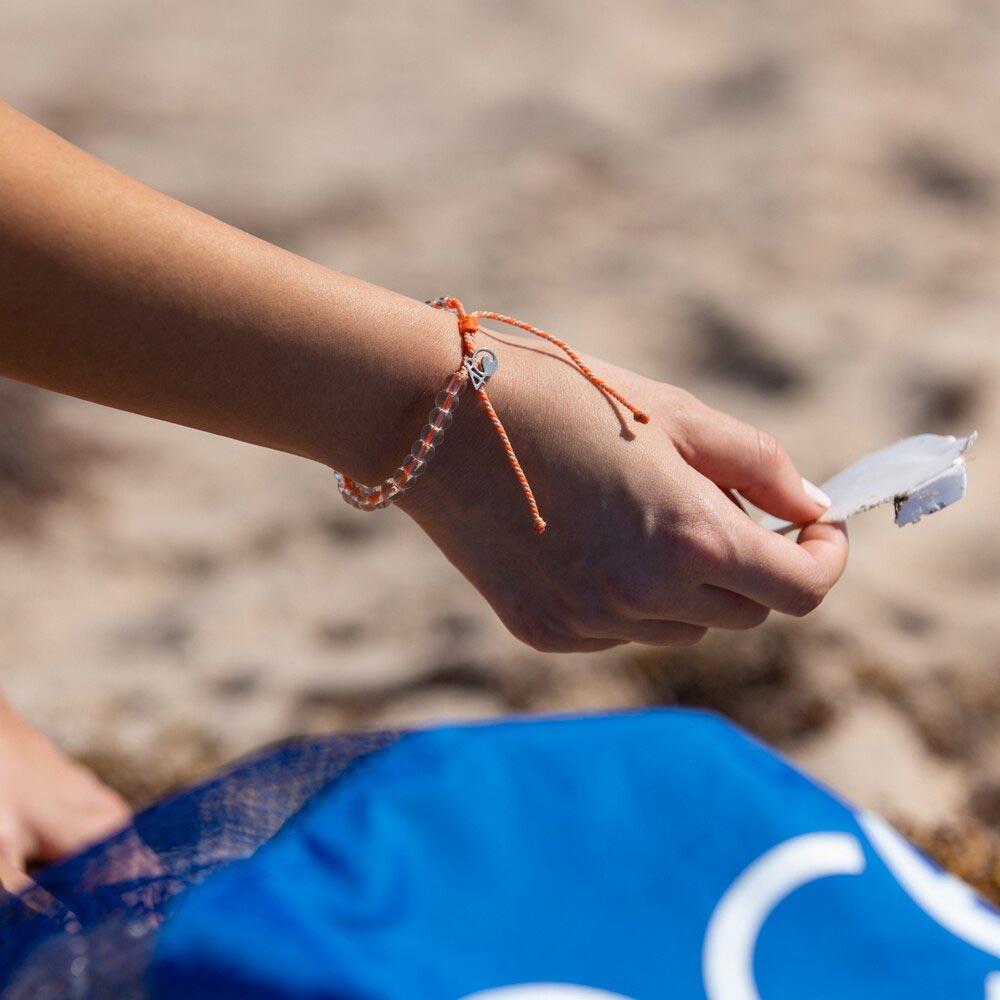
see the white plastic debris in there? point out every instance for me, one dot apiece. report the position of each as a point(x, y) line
point(920, 475)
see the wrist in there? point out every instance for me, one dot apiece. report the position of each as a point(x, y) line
point(525, 396)
point(371, 423)
point(470, 472)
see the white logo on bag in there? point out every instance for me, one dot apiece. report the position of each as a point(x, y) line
point(735, 925)
point(731, 937)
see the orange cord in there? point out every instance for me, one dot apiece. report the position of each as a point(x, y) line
point(468, 327)
point(594, 379)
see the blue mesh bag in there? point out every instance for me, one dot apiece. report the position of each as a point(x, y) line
point(643, 855)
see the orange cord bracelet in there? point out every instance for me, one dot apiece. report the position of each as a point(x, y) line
point(476, 369)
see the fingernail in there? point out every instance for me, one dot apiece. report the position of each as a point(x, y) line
point(816, 494)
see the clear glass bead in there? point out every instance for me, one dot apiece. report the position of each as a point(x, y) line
point(430, 434)
point(422, 452)
point(447, 400)
point(415, 466)
point(398, 479)
point(441, 419)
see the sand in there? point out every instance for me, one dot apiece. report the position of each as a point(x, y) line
point(793, 213)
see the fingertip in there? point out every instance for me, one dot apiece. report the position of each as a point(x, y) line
point(12, 875)
point(807, 505)
point(828, 545)
point(826, 531)
point(816, 495)
point(735, 455)
point(784, 492)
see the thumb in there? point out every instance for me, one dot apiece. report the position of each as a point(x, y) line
point(735, 455)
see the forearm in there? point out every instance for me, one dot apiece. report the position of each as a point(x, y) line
point(116, 293)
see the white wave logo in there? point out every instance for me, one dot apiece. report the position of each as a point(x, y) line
point(731, 937)
point(740, 915)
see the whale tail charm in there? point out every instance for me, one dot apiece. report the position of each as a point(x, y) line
point(481, 367)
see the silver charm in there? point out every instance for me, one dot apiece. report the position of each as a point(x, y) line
point(482, 366)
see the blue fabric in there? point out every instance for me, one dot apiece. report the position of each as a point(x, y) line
point(88, 926)
point(649, 855)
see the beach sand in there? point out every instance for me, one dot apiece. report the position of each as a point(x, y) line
point(794, 214)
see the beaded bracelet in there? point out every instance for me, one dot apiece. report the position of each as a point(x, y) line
point(476, 371)
point(477, 368)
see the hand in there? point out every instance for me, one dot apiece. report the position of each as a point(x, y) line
point(643, 543)
point(49, 806)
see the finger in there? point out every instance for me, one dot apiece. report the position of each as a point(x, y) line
point(716, 607)
point(734, 496)
point(592, 645)
point(577, 644)
point(659, 633)
point(739, 456)
point(706, 606)
point(781, 574)
point(13, 878)
point(828, 545)
point(107, 815)
point(96, 816)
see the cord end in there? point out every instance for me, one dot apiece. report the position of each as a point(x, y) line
point(640, 417)
point(539, 526)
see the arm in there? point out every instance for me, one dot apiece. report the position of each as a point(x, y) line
point(115, 293)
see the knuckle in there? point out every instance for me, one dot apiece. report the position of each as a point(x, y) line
point(687, 418)
point(541, 636)
point(703, 547)
point(685, 406)
point(771, 452)
point(809, 597)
